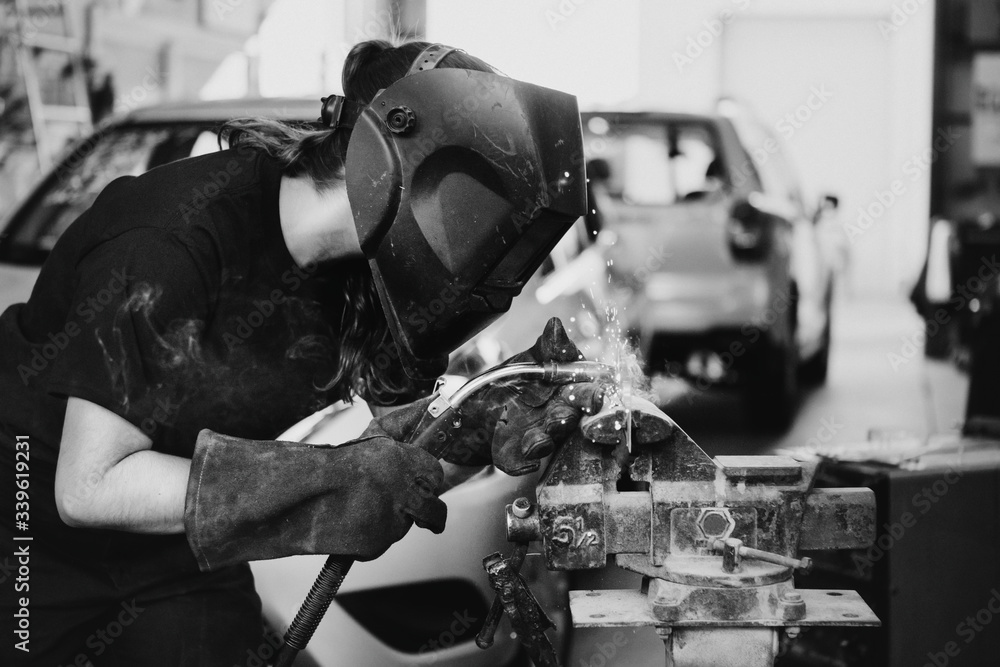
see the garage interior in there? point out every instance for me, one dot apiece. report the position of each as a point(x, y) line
point(887, 113)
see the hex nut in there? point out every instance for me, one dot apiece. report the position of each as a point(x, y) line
point(666, 609)
point(792, 606)
point(716, 524)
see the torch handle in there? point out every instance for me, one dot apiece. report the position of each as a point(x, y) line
point(433, 439)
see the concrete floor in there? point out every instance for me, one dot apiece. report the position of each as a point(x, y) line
point(878, 379)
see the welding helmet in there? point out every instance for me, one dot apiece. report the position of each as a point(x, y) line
point(460, 183)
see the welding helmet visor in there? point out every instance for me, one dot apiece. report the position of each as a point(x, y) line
point(460, 182)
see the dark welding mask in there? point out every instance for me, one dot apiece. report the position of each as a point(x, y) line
point(461, 182)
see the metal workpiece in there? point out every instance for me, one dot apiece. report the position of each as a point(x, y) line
point(646, 424)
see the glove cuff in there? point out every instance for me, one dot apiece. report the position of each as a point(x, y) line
point(254, 500)
point(237, 491)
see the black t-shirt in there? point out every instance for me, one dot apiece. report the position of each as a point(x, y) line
point(174, 303)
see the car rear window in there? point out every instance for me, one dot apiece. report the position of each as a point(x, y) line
point(73, 186)
point(652, 162)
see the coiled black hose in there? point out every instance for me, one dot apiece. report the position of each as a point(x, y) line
point(308, 618)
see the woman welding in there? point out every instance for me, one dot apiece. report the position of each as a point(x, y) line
point(303, 280)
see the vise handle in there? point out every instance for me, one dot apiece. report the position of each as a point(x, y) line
point(733, 552)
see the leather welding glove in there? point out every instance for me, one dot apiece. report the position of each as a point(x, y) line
point(537, 417)
point(515, 423)
point(253, 500)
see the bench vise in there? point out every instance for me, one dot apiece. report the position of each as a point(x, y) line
point(717, 540)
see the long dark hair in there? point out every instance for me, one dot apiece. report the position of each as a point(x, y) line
point(368, 361)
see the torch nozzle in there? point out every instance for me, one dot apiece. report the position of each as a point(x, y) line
point(578, 371)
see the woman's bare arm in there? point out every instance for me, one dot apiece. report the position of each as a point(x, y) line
point(108, 477)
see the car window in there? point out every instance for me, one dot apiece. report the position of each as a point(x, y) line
point(652, 163)
point(746, 173)
point(74, 185)
point(771, 166)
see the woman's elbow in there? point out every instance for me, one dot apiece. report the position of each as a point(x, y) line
point(75, 505)
point(70, 513)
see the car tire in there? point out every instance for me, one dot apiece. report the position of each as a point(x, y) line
point(771, 390)
point(814, 371)
point(937, 340)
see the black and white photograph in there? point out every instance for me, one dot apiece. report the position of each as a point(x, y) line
point(500, 333)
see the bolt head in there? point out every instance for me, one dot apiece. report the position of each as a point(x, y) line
point(716, 524)
point(666, 609)
point(521, 508)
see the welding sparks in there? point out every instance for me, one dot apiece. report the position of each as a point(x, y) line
point(611, 345)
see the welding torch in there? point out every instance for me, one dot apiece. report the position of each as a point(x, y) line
point(435, 439)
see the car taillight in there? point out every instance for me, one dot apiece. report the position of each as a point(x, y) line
point(744, 236)
point(747, 232)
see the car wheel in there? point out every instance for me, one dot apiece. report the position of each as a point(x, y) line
point(937, 340)
point(771, 390)
point(814, 371)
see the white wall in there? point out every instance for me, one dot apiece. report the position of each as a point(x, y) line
point(160, 51)
point(823, 87)
point(589, 48)
point(677, 54)
point(297, 39)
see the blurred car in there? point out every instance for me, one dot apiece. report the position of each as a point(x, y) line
point(730, 283)
point(424, 601)
point(959, 272)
